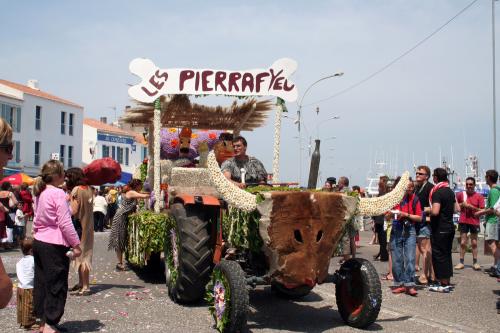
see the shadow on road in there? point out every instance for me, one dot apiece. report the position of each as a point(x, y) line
point(77, 326)
point(105, 286)
point(272, 312)
point(153, 275)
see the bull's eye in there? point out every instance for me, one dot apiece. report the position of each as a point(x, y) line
point(298, 236)
point(319, 236)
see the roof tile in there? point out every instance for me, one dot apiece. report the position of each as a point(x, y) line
point(27, 90)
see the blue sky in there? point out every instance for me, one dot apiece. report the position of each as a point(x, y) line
point(438, 98)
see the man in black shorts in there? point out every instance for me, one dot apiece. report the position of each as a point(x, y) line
point(470, 202)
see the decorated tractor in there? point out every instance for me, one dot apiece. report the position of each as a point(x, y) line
point(219, 240)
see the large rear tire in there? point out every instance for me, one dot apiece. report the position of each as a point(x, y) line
point(188, 257)
point(290, 293)
point(229, 297)
point(358, 293)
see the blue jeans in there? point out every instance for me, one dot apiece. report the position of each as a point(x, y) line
point(403, 246)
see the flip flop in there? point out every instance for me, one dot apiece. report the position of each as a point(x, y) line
point(121, 267)
point(84, 292)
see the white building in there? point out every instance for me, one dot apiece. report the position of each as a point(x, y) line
point(45, 126)
point(105, 140)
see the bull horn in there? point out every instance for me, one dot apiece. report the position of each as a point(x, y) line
point(380, 205)
point(231, 193)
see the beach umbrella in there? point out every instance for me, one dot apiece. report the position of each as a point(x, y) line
point(18, 178)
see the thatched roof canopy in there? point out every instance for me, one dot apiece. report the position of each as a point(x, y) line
point(180, 112)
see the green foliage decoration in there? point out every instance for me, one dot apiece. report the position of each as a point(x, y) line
point(146, 235)
point(241, 229)
point(144, 171)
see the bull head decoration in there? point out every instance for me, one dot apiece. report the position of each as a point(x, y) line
point(301, 229)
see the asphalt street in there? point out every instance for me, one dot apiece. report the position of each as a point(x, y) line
point(137, 301)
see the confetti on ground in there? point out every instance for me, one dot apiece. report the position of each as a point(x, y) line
point(123, 313)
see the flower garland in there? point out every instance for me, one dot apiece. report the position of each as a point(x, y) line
point(172, 254)
point(277, 137)
point(231, 193)
point(218, 296)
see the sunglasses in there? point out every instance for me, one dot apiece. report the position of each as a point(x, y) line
point(420, 174)
point(469, 184)
point(8, 147)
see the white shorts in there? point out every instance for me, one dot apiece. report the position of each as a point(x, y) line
point(491, 231)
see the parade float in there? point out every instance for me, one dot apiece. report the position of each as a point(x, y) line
point(219, 240)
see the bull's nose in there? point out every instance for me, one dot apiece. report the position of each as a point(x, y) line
point(310, 282)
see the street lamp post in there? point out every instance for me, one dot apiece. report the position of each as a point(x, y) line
point(494, 86)
point(299, 119)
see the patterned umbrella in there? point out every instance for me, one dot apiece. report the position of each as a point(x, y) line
point(18, 178)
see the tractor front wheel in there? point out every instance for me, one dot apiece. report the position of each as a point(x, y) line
point(358, 293)
point(228, 297)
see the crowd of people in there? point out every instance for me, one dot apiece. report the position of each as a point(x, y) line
point(64, 212)
point(416, 236)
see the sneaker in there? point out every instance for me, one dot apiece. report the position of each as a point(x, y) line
point(476, 267)
point(489, 270)
point(398, 290)
point(459, 266)
point(440, 289)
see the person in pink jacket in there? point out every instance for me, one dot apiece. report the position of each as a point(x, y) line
point(54, 235)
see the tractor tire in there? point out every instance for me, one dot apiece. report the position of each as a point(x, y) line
point(358, 293)
point(290, 293)
point(194, 257)
point(238, 297)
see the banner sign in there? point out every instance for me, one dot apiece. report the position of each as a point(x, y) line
point(115, 139)
point(156, 82)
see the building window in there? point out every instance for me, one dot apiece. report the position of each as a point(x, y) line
point(105, 151)
point(17, 151)
point(70, 156)
point(37, 152)
point(12, 114)
point(119, 155)
point(63, 122)
point(38, 117)
point(126, 156)
point(113, 152)
point(61, 153)
point(70, 125)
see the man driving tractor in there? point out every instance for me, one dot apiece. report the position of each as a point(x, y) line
point(253, 169)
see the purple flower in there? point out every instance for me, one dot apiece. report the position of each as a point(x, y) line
point(219, 299)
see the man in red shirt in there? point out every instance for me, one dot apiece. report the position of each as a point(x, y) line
point(470, 202)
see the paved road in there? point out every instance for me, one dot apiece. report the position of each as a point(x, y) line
point(137, 302)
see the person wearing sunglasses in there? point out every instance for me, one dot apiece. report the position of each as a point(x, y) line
point(5, 156)
point(422, 190)
point(470, 202)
